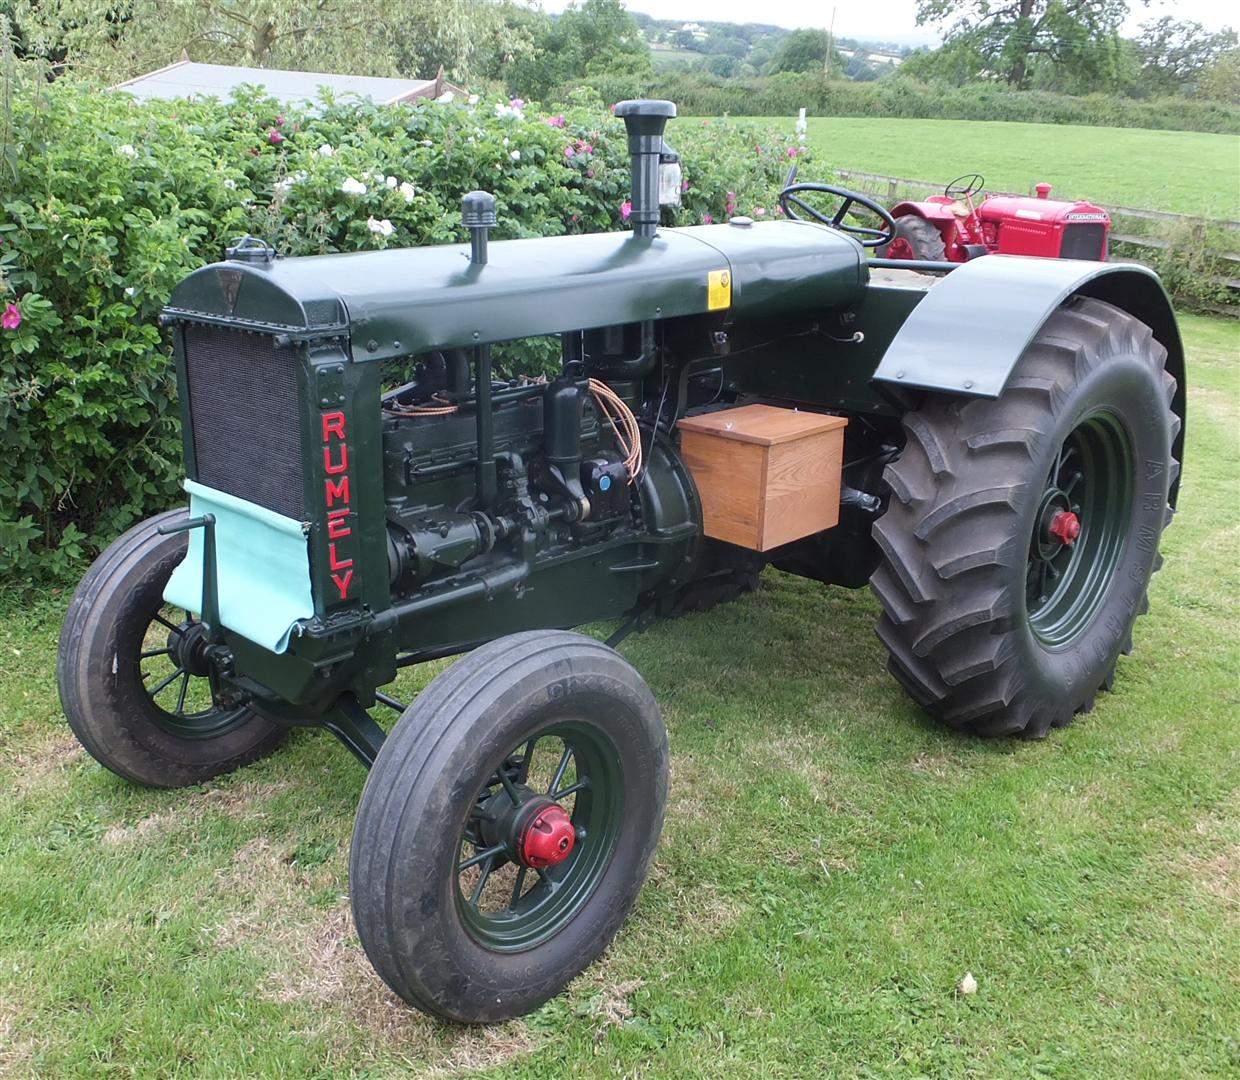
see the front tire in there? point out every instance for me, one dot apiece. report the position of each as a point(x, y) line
point(135, 697)
point(1021, 532)
point(507, 825)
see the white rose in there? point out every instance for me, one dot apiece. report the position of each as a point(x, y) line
point(127, 150)
point(390, 181)
point(230, 183)
point(408, 191)
point(515, 155)
point(353, 187)
point(473, 99)
point(380, 228)
point(326, 150)
point(446, 97)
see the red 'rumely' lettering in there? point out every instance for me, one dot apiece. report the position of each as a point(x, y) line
point(338, 491)
point(337, 563)
point(342, 583)
point(338, 523)
point(333, 424)
point(334, 469)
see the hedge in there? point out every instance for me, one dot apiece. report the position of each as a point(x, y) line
point(698, 94)
point(111, 202)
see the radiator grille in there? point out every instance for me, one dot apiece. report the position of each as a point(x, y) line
point(243, 408)
point(1083, 242)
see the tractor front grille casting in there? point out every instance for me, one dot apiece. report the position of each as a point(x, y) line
point(243, 406)
point(1084, 242)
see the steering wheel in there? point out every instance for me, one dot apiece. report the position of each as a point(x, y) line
point(965, 187)
point(869, 238)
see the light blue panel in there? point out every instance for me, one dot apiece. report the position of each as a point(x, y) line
point(263, 572)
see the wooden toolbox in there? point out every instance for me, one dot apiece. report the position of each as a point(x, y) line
point(767, 476)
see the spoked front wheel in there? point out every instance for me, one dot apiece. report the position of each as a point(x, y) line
point(132, 672)
point(508, 824)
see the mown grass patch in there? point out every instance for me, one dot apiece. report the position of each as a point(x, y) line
point(1182, 172)
point(833, 864)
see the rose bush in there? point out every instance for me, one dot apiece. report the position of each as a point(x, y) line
point(112, 201)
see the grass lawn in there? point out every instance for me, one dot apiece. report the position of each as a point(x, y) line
point(833, 864)
point(1184, 172)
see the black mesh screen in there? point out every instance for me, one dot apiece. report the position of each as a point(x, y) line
point(243, 407)
point(1082, 242)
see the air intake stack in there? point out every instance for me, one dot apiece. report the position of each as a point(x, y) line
point(645, 121)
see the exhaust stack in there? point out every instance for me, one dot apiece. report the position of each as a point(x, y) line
point(645, 121)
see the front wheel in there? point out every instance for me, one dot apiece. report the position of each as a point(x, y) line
point(507, 825)
point(132, 672)
point(1021, 532)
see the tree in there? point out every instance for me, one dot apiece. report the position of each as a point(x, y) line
point(117, 40)
point(1174, 54)
point(598, 38)
point(1010, 38)
point(1221, 80)
point(805, 50)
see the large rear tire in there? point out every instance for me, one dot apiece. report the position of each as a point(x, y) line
point(915, 238)
point(1021, 532)
point(131, 678)
point(507, 825)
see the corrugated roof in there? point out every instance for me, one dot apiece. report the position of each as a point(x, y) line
point(188, 79)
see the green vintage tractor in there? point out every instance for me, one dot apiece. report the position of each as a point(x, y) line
point(993, 450)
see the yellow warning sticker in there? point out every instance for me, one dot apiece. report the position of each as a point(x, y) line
point(718, 290)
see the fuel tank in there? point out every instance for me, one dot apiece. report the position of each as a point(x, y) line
point(406, 301)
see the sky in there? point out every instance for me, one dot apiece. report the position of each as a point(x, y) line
point(885, 20)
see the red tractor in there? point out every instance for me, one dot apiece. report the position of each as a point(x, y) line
point(953, 227)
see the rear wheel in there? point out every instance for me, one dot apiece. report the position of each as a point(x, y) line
point(132, 672)
point(915, 238)
point(1021, 532)
point(507, 825)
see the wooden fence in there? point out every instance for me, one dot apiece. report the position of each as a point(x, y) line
point(892, 188)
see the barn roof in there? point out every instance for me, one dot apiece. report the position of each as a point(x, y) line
point(186, 79)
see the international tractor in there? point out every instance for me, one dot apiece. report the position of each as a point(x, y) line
point(955, 227)
point(994, 450)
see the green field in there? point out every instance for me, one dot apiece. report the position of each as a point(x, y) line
point(1184, 172)
point(833, 864)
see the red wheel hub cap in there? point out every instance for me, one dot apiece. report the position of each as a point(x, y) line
point(548, 838)
point(1065, 527)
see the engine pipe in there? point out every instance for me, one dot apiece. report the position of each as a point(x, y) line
point(644, 121)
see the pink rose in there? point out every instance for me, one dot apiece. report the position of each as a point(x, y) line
point(556, 121)
point(707, 219)
point(792, 151)
point(516, 103)
point(626, 208)
point(12, 318)
point(759, 211)
point(684, 185)
point(568, 152)
point(279, 121)
point(275, 138)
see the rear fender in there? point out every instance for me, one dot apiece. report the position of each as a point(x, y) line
point(973, 326)
point(938, 213)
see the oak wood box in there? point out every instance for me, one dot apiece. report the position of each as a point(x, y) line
point(767, 476)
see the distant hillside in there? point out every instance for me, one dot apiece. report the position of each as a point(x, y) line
point(732, 50)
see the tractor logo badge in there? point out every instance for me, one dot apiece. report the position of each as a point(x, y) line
point(338, 498)
point(230, 285)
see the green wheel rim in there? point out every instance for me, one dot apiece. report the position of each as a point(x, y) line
point(1091, 480)
point(173, 673)
point(506, 906)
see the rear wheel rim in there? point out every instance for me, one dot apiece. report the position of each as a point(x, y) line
point(505, 905)
point(1092, 478)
